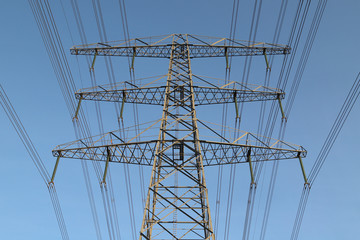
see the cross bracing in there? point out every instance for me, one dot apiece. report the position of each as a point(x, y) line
point(198, 46)
point(205, 92)
point(214, 152)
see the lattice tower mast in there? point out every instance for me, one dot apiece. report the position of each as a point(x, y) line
point(191, 197)
point(177, 205)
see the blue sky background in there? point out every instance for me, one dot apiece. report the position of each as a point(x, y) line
point(28, 78)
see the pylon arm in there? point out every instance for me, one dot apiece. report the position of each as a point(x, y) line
point(214, 153)
point(163, 51)
point(199, 46)
point(140, 153)
point(203, 95)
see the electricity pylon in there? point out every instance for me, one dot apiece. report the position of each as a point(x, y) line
point(177, 205)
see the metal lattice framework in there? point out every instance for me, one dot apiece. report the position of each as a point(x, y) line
point(177, 205)
point(214, 153)
point(205, 93)
point(198, 47)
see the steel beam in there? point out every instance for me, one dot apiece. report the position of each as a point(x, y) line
point(198, 47)
point(213, 153)
point(202, 95)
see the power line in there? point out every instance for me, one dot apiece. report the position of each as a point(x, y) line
point(35, 157)
point(336, 128)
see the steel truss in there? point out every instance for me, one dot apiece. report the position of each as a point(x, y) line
point(214, 153)
point(203, 95)
point(199, 47)
point(177, 205)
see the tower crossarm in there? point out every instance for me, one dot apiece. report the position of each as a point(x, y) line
point(198, 46)
point(138, 153)
point(218, 153)
point(203, 95)
point(214, 153)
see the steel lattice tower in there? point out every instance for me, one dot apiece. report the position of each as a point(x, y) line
point(178, 151)
point(177, 205)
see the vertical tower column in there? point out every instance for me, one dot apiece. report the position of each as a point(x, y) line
point(177, 202)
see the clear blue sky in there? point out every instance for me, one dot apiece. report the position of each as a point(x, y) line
point(333, 210)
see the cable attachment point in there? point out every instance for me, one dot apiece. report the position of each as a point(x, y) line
point(267, 62)
point(122, 104)
point(77, 109)
point(227, 58)
point(283, 117)
point(303, 169)
point(248, 159)
point(93, 62)
point(54, 171)
point(103, 182)
point(133, 59)
point(236, 106)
